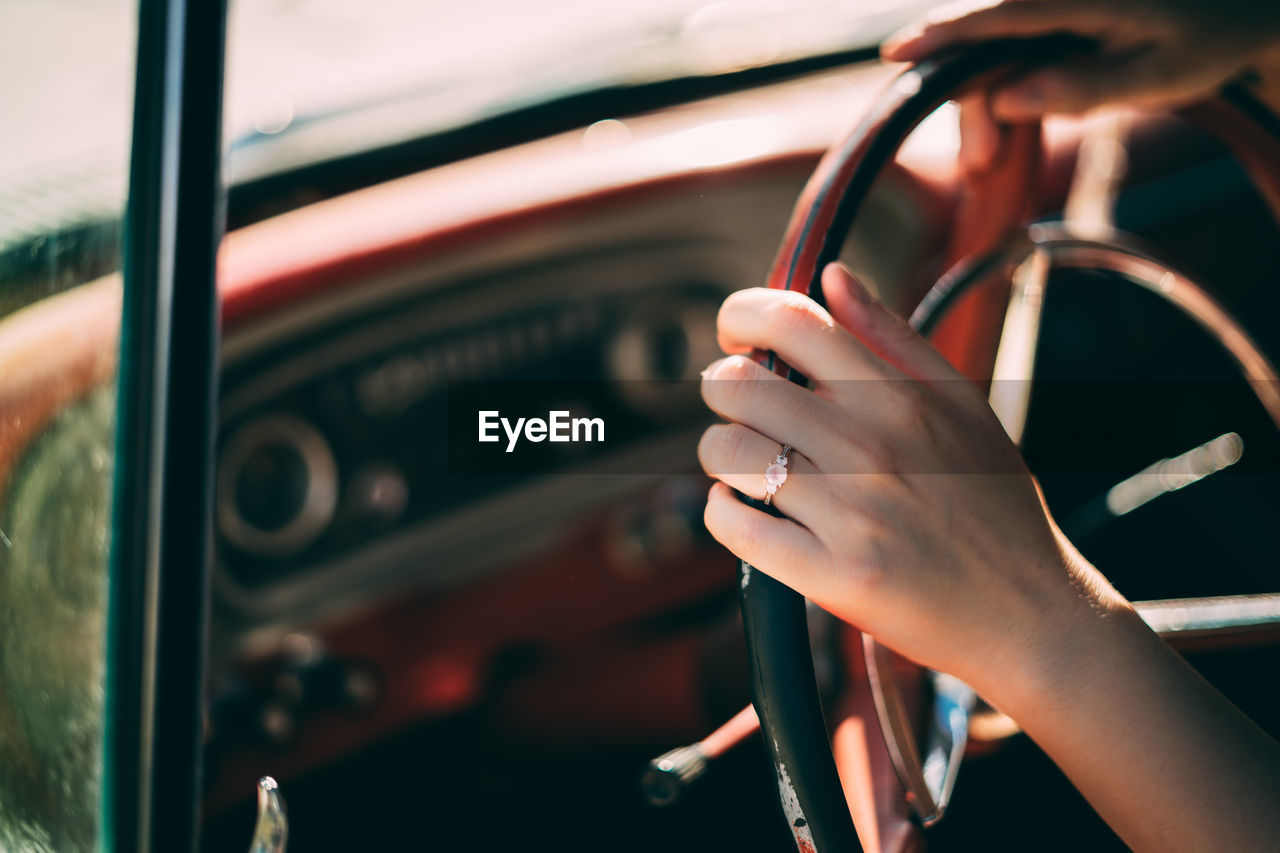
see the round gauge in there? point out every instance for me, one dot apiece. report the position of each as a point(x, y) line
point(277, 486)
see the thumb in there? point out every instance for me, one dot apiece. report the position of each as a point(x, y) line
point(979, 135)
point(883, 332)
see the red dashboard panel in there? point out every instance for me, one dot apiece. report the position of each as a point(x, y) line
point(436, 652)
point(265, 267)
point(440, 654)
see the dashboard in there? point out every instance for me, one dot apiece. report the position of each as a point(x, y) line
point(336, 473)
point(372, 575)
point(435, 631)
point(375, 575)
point(345, 445)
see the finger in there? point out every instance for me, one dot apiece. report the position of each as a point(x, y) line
point(957, 23)
point(888, 335)
point(738, 389)
point(798, 329)
point(778, 546)
point(730, 348)
point(1141, 78)
point(979, 134)
point(738, 456)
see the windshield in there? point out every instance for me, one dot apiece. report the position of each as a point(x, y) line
point(309, 80)
point(328, 77)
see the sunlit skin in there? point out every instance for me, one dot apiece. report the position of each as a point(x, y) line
point(1151, 53)
point(966, 572)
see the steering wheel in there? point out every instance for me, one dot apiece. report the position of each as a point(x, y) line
point(784, 688)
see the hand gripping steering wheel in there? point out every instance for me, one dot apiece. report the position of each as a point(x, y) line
point(784, 687)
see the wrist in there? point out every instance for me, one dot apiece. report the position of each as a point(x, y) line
point(1077, 657)
point(1072, 639)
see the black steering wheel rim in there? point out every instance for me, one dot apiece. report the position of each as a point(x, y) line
point(784, 688)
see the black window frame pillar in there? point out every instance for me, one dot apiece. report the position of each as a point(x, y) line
point(161, 547)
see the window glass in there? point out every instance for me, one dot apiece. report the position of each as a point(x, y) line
point(66, 103)
point(407, 69)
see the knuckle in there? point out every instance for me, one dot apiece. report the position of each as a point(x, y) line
point(730, 527)
point(711, 520)
point(736, 369)
point(737, 304)
point(722, 448)
point(740, 298)
point(746, 537)
point(729, 383)
point(795, 314)
point(887, 455)
point(870, 571)
point(707, 449)
point(877, 559)
point(736, 439)
point(879, 458)
point(913, 407)
point(905, 415)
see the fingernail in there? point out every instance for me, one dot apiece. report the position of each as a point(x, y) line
point(899, 45)
point(1018, 102)
point(854, 286)
point(978, 151)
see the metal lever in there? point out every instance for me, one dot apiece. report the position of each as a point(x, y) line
point(669, 775)
point(272, 829)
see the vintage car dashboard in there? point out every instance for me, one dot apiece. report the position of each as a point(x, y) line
point(357, 546)
point(336, 480)
point(373, 574)
point(338, 472)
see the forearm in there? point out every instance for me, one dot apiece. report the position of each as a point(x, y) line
point(921, 560)
point(1164, 758)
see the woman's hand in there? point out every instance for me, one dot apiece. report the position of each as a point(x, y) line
point(1151, 53)
point(1155, 53)
point(909, 513)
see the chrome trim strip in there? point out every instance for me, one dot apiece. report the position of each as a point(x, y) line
point(1211, 616)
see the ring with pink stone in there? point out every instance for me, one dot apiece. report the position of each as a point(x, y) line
point(776, 474)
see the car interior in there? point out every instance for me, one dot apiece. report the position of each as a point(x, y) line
point(426, 645)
